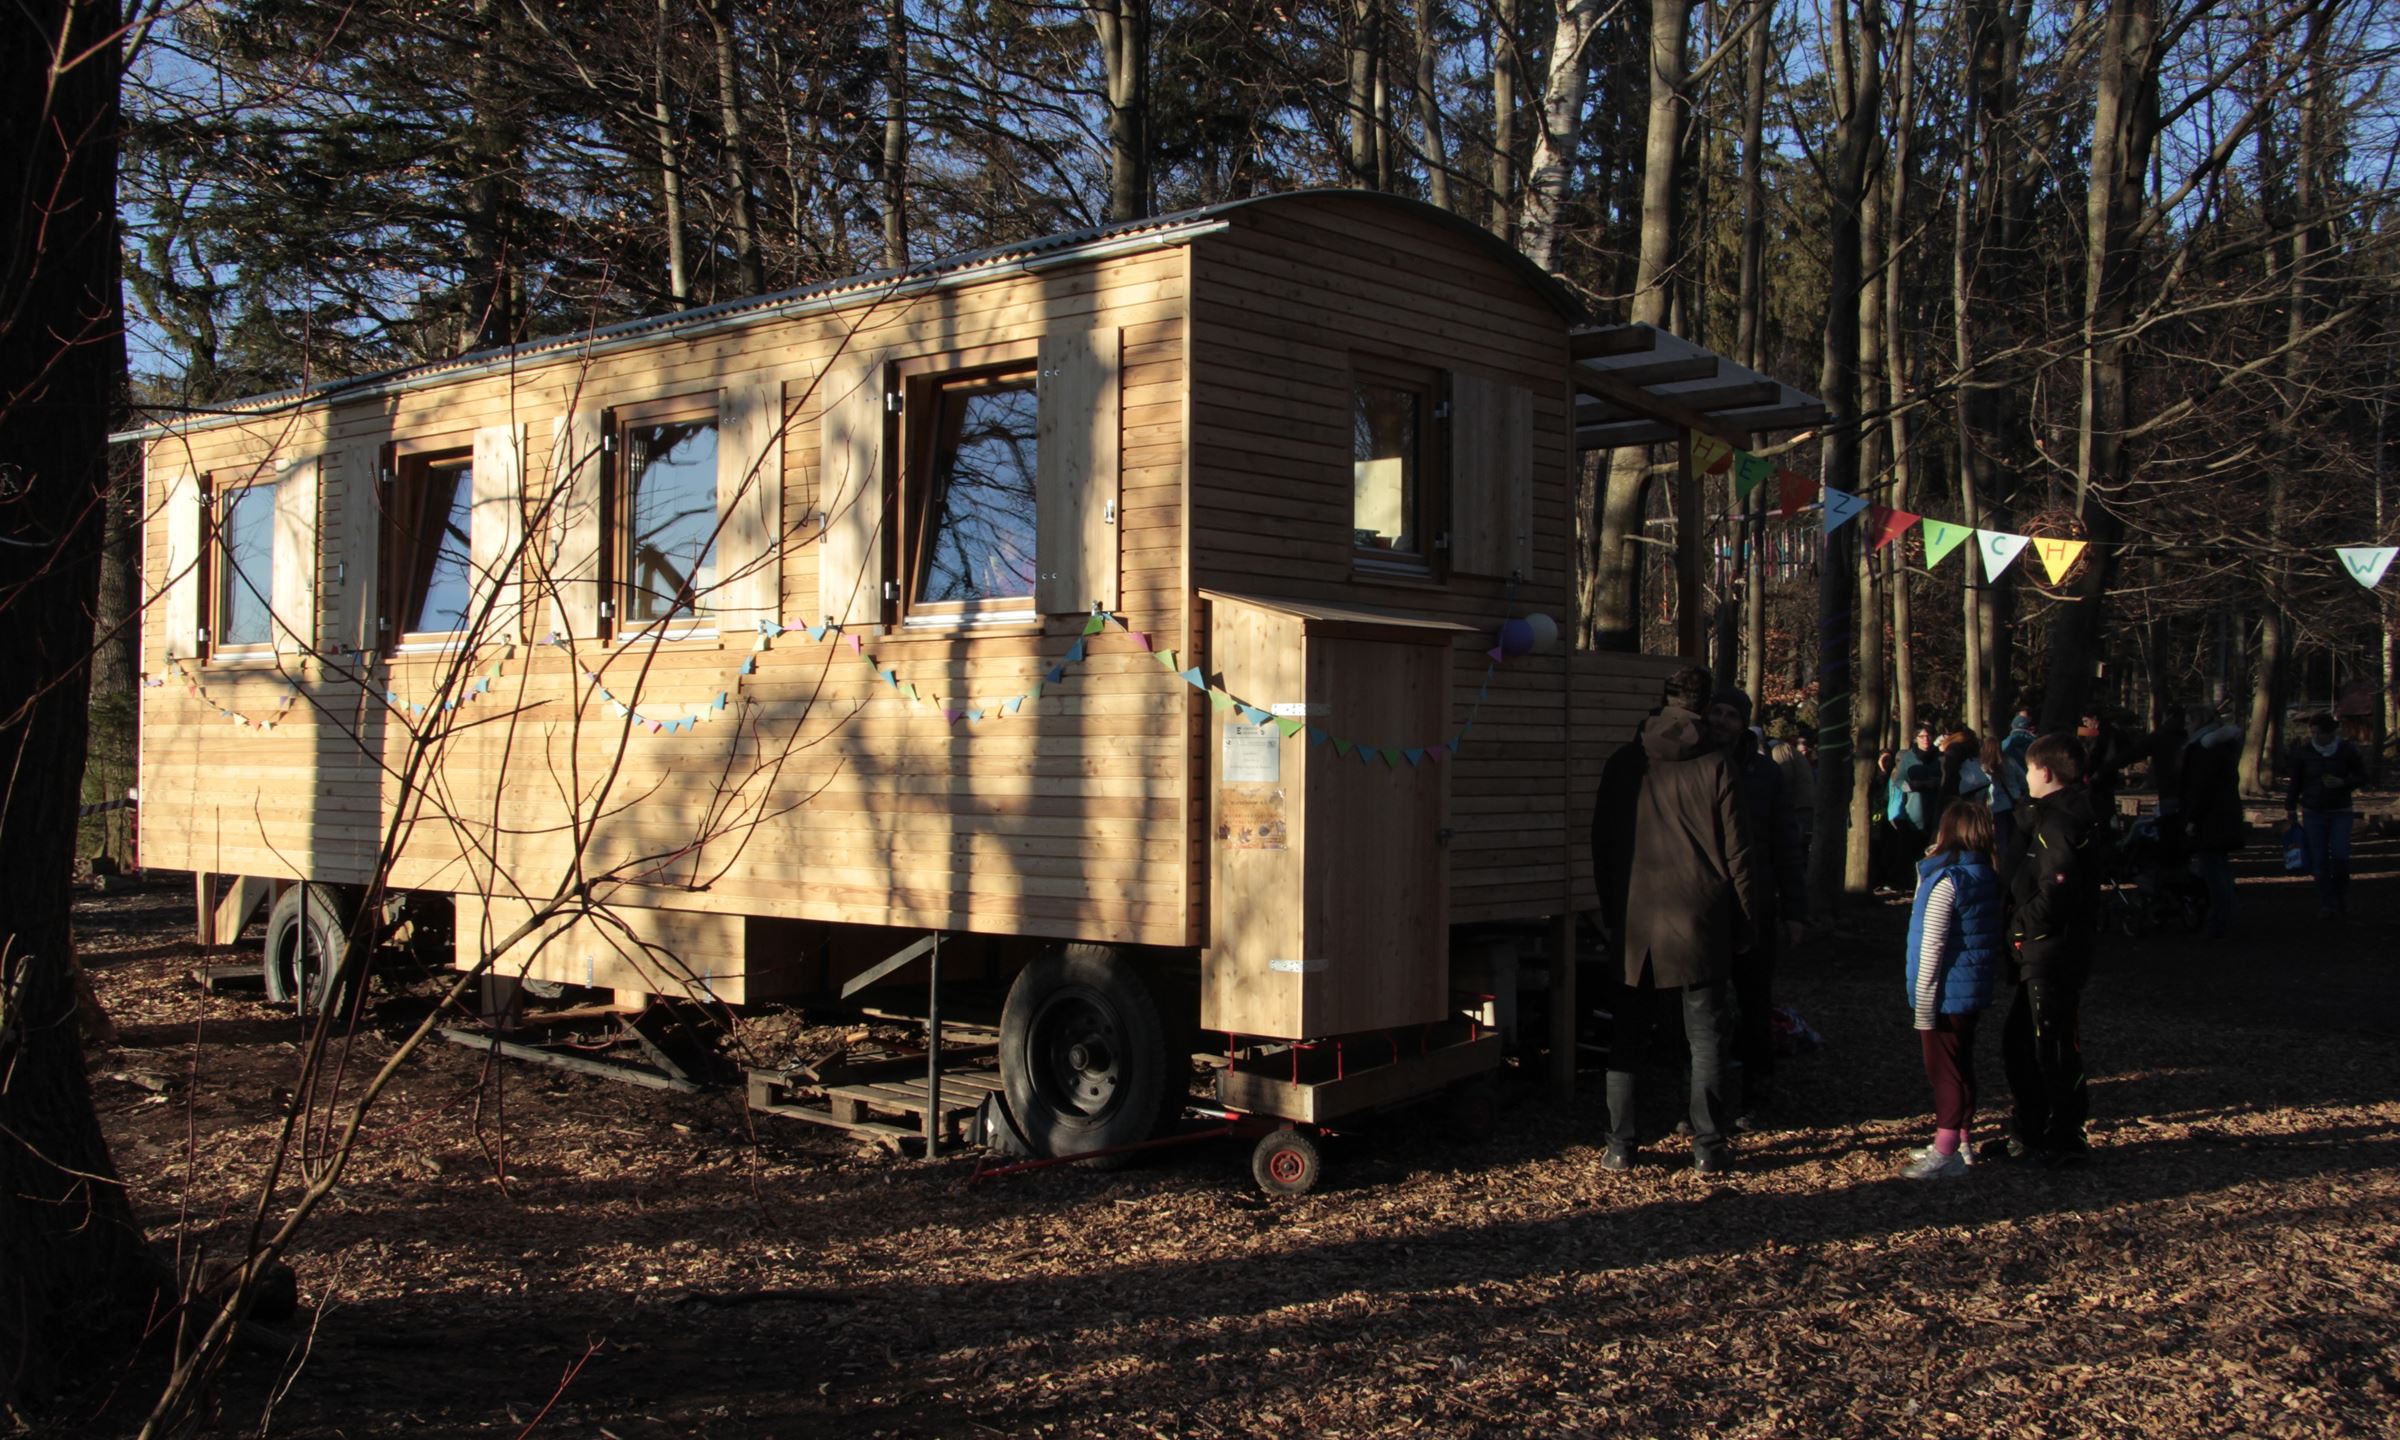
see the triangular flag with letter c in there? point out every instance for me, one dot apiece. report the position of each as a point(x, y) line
point(2366, 563)
point(1942, 537)
point(2000, 550)
point(2059, 555)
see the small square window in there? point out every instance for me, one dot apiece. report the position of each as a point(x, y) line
point(1392, 470)
point(244, 567)
point(431, 567)
point(664, 515)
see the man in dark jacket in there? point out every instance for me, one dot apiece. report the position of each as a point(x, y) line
point(1681, 840)
point(2105, 756)
point(2324, 772)
point(2208, 809)
point(1775, 838)
point(2054, 885)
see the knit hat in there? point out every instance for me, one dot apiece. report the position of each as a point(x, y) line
point(1732, 699)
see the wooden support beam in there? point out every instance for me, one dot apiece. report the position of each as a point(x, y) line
point(1625, 432)
point(1600, 385)
point(1729, 397)
point(1564, 1006)
point(1691, 636)
point(1601, 341)
point(1668, 372)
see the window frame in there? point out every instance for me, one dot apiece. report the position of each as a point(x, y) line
point(217, 492)
point(616, 535)
point(405, 463)
point(920, 382)
point(1430, 564)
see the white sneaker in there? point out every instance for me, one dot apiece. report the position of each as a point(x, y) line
point(1932, 1164)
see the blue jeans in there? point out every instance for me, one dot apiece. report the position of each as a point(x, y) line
point(2215, 869)
point(1707, 1031)
point(2328, 833)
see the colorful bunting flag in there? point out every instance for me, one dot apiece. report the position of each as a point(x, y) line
point(2000, 549)
point(1167, 658)
point(1795, 491)
point(1341, 747)
point(1888, 524)
point(1709, 454)
point(1842, 507)
point(1289, 726)
point(1074, 655)
point(1195, 679)
point(2366, 563)
point(1749, 472)
point(1094, 625)
point(1255, 715)
point(1220, 699)
point(2058, 555)
point(1942, 537)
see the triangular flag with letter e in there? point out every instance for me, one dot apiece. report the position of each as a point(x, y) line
point(1749, 472)
point(1887, 524)
point(1797, 491)
point(2000, 550)
point(1942, 537)
point(2366, 563)
point(2059, 555)
point(1709, 454)
point(1842, 507)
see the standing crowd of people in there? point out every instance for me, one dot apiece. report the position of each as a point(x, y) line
point(1699, 846)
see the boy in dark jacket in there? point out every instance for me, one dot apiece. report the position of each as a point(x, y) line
point(2053, 884)
point(2325, 771)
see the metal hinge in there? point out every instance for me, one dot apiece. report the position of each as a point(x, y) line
point(891, 589)
point(1108, 514)
point(893, 400)
point(1441, 410)
point(1442, 541)
point(608, 611)
point(608, 442)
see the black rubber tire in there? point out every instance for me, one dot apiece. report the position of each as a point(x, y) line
point(1287, 1162)
point(298, 963)
point(1086, 1056)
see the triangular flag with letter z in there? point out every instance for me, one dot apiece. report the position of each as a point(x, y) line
point(2000, 550)
point(2366, 563)
point(1709, 454)
point(2058, 555)
point(1842, 507)
point(1942, 537)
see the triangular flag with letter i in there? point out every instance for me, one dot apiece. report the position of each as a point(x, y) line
point(1749, 472)
point(2366, 563)
point(1842, 507)
point(1942, 537)
point(2000, 550)
point(2058, 555)
point(1887, 524)
point(1709, 454)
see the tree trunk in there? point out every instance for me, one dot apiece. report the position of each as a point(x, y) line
point(1893, 350)
point(1504, 116)
point(1846, 770)
point(1123, 28)
point(490, 296)
point(1561, 134)
point(1613, 567)
point(73, 1271)
point(742, 205)
point(1429, 106)
point(1366, 53)
point(895, 134)
point(670, 165)
point(1750, 307)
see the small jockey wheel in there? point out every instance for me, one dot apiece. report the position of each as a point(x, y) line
point(1286, 1162)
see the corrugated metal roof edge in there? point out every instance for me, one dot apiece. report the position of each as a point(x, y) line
point(1154, 232)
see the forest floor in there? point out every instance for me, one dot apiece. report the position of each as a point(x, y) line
point(522, 1251)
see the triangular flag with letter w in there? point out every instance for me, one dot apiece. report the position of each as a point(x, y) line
point(2366, 563)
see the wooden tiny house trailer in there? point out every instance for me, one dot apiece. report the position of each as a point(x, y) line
point(773, 623)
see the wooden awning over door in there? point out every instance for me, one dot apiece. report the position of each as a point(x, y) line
point(1639, 385)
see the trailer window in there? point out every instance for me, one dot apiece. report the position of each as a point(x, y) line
point(970, 495)
point(664, 515)
point(244, 567)
point(430, 569)
point(1390, 473)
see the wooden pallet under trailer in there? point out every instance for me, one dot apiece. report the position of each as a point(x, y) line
point(888, 1097)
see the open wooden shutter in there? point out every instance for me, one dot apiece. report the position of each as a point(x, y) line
point(293, 627)
point(175, 603)
point(850, 493)
point(1491, 477)
point(1075, 497)
point(353, 546)
point(495, 530)
point(749, 505)
point(571, 527)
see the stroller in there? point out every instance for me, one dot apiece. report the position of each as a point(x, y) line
point(2150, 883)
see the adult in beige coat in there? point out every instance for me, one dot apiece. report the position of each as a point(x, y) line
point(1696, 892)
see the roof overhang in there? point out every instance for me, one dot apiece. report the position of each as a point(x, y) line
point(1640, 385)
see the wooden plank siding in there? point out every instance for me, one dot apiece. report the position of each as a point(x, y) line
point(819, 793)
point(1282, 304)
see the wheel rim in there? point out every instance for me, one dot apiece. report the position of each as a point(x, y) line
point(1078, 1056)
point(292, 968)
point(1287, 1167)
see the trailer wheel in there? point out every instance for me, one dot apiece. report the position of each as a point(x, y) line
point(1084, 1054)
point(1287, 1162)
point(305, 934)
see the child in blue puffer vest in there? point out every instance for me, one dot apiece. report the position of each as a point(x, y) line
point(1957, 941)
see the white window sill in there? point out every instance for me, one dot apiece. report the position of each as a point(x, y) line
point(1022, 618)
